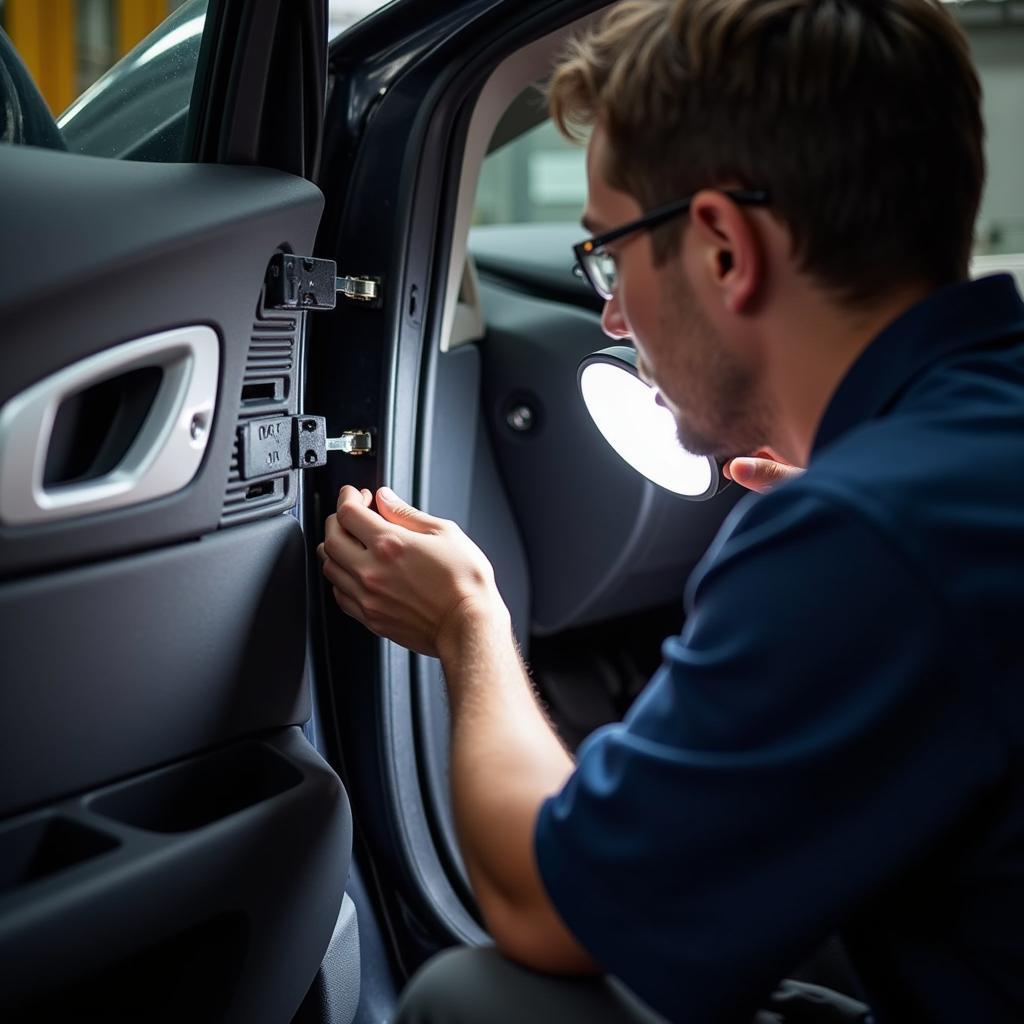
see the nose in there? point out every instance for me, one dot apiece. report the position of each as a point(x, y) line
point(613, 323)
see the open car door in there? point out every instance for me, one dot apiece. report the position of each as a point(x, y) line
point(171, 846)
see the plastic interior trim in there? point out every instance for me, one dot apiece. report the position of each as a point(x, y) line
point(530, 64)
point(162, 459)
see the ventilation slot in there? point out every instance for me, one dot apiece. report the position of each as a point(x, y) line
point(268, 389)
point(256, 394)
point(269, 355)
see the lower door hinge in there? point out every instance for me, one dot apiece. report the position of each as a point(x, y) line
point(304, 282)
point(277, 444)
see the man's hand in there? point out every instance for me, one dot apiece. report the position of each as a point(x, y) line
point(760, 474)
point(421, 582)
point(404, 574)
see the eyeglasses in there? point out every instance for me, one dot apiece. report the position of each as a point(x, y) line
point(597, 266)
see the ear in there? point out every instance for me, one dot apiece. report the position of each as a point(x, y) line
point(730, 251)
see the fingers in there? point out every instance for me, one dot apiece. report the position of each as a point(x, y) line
point(341, 579)
point(356, 518)
point(347, 605)
point(760, 475)
point(361, 495)
point(394, 510)
point(340, 545)
point(349, 593)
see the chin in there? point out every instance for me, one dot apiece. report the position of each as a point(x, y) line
point(695, 442)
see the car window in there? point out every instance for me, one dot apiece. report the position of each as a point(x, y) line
point(96, 77)
point(538, 177)
point(998, 47)
point(108, 78)
point(138, 108)
point(341, 14)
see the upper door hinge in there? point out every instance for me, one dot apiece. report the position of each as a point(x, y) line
point(359, 289)
point(305, 282)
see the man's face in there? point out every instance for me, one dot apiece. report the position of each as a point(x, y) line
point(703, 380)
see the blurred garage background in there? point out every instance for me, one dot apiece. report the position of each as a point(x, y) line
point(68, 44)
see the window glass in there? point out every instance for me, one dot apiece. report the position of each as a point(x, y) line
point(109, 77)
point(999, 54)
point(538, 177)
point(137, 109)
point(341, 14)
point(105, 77)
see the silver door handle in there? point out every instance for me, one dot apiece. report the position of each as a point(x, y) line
point(164, 456)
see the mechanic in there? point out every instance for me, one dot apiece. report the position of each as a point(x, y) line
point(836, 739)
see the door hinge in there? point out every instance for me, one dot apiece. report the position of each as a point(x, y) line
point(352, 442)
point(276, 444)
point(358, 289)
point(305, 282)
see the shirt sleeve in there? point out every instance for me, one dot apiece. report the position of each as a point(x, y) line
point(805, 740)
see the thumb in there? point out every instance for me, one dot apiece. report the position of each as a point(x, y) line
point(761, 475)
point(397, 511)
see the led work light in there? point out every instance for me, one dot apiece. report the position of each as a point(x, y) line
point(640, 430)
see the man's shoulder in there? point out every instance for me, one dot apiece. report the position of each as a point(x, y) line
point(957, 420)
point(932, 492)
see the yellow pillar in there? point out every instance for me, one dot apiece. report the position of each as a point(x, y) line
point(136, 19)
point(43, 33)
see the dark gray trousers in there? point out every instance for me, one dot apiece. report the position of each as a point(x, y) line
point(480, 986)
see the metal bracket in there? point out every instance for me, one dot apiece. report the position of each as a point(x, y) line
point(307, 283)
point(359, 289)
point(277, 444)
point(352, 442)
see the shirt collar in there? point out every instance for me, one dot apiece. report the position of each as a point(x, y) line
point(957, 316)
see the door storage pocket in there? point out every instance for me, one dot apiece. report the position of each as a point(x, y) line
point(188, 796)
point(44, 846)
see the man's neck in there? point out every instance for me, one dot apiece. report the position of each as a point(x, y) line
point(815, 344)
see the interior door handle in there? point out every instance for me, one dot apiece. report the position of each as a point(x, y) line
point(163, 456)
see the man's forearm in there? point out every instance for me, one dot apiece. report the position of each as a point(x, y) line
point(505, 760)
point(421, 582)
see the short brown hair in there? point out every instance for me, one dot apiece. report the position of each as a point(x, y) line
point(860, 117)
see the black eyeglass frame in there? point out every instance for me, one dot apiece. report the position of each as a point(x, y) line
point(588, 248)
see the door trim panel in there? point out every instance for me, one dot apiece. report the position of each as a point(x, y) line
point(190, 245)
point(71, 939)
point(115, 668)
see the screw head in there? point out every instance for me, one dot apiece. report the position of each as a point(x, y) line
point(197, 428)
point(521, 418)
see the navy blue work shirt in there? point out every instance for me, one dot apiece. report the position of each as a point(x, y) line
point(836, 739)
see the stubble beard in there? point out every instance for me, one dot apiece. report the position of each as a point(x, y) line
point(721, 414)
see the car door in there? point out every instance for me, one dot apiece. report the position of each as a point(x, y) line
point(415, 94)
point(171, 845)
point(419, 93)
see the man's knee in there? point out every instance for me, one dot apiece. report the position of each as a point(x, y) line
point(473, 986)
point(444, 990)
